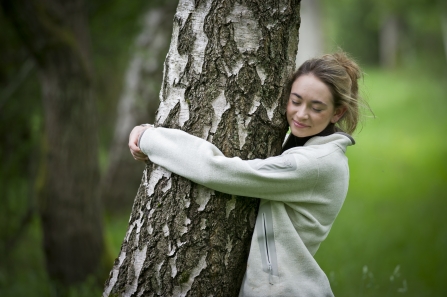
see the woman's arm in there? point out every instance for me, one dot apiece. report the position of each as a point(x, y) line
point(196, 159)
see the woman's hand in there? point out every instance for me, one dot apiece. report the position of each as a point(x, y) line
point(133, 143)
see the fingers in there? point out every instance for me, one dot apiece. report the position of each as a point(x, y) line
point(133, 148)
point(133, 143)
point(139, 157)
point(138, 154)
point(134, 135)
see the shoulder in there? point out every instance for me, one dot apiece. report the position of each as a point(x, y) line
point(340, 139)
point(326, 154)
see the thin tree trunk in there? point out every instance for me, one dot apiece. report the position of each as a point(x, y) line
point(389, 41)
point(137, 104)
point(444, 32)
point(223, 81)
point(311, 32)
point(56, 34)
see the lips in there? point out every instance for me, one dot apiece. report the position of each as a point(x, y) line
point(300, 125)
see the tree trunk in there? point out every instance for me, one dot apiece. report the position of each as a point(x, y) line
point(444, 32)
point(223, 81)
point(311, 32)
point(389, 41)
point(137, 104)
point(56, 34)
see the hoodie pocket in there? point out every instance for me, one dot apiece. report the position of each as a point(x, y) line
point(266, 241)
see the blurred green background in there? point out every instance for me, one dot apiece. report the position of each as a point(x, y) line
point(390, 238)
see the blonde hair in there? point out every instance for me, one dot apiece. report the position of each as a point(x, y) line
point(341, 74)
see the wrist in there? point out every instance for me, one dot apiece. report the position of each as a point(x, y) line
point(146, 126)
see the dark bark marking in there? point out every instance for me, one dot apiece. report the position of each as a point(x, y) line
point(186, 37)
point(173, 117)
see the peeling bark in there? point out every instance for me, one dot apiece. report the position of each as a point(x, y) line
point(223, 81)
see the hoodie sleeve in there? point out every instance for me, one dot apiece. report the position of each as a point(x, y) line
point(198, 160)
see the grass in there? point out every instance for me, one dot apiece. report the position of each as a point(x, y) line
point(394, 215)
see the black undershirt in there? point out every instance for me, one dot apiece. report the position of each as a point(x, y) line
point(294, 141)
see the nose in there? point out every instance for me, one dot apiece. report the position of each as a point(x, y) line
point(302, 112)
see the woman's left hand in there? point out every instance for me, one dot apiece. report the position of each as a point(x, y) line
point(133, 143)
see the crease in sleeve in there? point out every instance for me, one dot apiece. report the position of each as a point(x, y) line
point(274, 164)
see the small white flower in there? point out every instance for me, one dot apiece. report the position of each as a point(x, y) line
point(404, 287)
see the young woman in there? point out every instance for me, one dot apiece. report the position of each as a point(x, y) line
point(301, 191)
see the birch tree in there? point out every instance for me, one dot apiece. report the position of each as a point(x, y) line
point(223, 81)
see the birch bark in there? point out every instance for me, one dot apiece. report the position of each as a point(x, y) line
point(223, 81)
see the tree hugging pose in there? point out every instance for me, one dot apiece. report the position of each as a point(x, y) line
point(301, 191)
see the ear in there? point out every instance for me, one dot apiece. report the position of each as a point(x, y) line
point(338, 114)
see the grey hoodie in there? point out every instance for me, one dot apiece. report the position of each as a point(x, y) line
point(301, 193)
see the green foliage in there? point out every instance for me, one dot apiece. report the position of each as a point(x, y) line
point(115, 231)
point(355, 25)
point(394, 213)
point(352, 26)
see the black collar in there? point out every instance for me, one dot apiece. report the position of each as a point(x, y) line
point(294, 141)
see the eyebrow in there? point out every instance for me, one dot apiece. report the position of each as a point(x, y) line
point(313, 101)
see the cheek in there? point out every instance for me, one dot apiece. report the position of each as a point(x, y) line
point(324, 118)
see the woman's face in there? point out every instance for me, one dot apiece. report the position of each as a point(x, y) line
point(310, 107)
